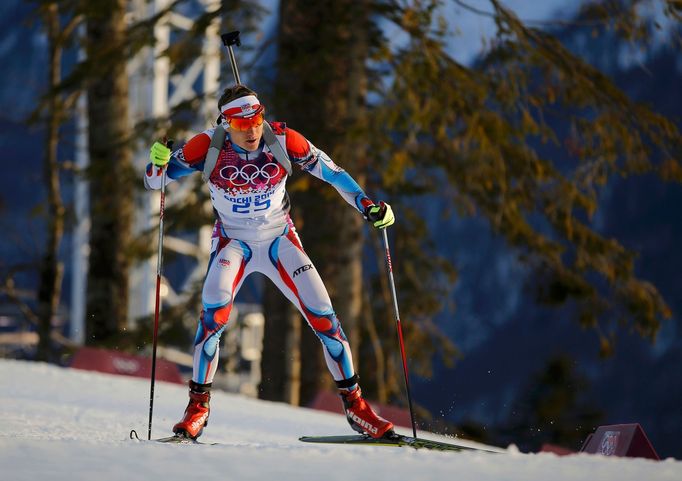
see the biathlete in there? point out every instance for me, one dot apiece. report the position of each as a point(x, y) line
point(254, 233)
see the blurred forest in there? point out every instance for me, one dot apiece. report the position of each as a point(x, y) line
point(525, 141)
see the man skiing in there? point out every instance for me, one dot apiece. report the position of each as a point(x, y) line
point(254, 233)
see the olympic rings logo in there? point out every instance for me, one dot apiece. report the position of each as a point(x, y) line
point(249, 173)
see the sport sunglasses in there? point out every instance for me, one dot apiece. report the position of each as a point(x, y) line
point(244, 123)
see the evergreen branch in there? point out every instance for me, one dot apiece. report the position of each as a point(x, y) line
point(560, 23)
point(68, 29)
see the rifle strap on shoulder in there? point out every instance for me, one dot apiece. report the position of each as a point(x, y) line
point(276, 148)
point(217, 142)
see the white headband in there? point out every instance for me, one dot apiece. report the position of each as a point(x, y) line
point(242, 107)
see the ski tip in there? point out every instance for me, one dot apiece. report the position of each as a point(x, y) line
point(177, 438)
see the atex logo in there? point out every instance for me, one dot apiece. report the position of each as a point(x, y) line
point(302, 269)
point(224, 262)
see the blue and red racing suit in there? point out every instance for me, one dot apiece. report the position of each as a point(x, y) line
point(254, 233)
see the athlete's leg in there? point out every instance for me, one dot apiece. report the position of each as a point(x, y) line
point(292, 271)
point(228, 267)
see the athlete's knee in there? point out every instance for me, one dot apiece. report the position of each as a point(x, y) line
point(212, 322)
point(215, 318)
point(326, 323)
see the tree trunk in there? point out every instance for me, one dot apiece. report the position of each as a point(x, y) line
point(111, 173)
point(379, 358)
point(51, 269)
point(325, 67)
point(280, 364)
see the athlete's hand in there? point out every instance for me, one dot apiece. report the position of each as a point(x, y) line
point(380, 215)
point(159, 154)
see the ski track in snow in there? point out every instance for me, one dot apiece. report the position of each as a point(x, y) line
point(65, 424)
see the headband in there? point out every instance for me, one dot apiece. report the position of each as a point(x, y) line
point(247, 106)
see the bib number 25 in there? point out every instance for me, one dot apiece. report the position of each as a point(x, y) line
point(251, 207)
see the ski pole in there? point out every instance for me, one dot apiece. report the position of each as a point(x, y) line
point(159, 263)
point(389, 267)
point(229, 39)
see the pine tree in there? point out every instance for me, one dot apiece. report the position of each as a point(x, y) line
point(110, 173)
point(326, 67)
point(52, 269)
point(480, 137)
point(54, 110)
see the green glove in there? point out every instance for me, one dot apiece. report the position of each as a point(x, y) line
point(159, 154)
point(380, 215)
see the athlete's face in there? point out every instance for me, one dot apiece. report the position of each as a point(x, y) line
point(248, 139)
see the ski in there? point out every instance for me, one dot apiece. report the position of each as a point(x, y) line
point(175, 439)
point(394, 439)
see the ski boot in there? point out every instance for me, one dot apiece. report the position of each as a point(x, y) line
point(361, 417)
point(196, 414)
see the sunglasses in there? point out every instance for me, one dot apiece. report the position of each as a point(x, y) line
point(245, 123)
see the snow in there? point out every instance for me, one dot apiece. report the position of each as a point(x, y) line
point(63, 424)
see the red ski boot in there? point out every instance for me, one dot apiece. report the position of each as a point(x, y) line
point(196, 413)
point(361, 417)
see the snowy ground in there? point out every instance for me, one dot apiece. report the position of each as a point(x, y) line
point(64, 424)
